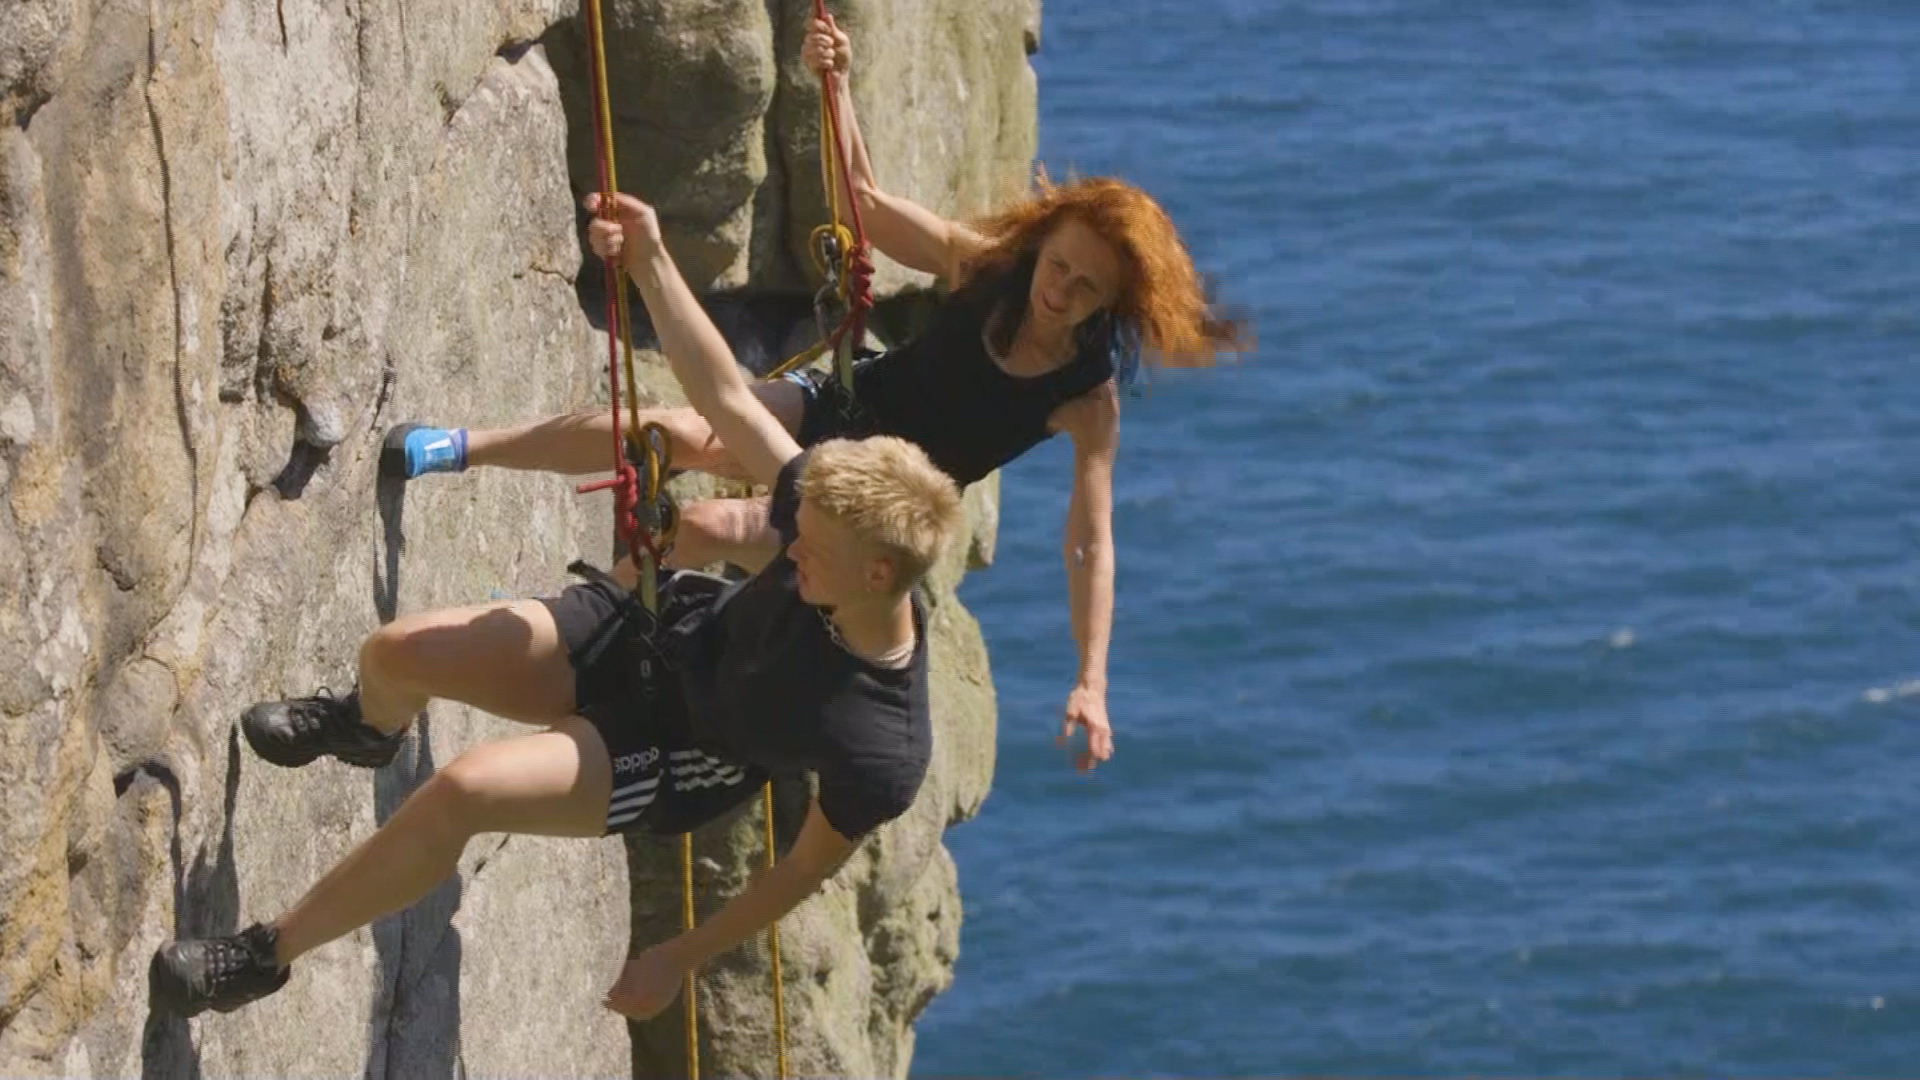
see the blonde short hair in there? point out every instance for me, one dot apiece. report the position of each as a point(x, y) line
point(888, 493)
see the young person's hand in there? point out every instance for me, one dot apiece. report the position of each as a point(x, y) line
point(649, 982)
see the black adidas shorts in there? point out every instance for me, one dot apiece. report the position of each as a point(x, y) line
point(630, 693)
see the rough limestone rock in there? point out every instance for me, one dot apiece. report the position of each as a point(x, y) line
point(689, 82)
point(237, 241)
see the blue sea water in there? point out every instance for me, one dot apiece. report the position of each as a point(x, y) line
point(1517, 667)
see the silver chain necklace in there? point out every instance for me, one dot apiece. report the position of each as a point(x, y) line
point(895, 658)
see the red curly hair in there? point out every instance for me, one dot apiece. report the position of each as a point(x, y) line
point(1162, 299)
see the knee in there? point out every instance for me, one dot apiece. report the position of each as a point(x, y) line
point(457, 796)
point(418, 652)
point(724, 530)
point(391, 651)
point(707, 520)
point(705, 535)
point(686, 422)
point(694, 444)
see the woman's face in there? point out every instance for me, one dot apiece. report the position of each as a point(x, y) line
point(1076, 274)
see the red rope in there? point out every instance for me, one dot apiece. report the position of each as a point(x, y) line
point(625, 481)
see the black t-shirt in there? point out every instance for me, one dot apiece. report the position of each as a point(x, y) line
point(767, 686)
point(944, 393)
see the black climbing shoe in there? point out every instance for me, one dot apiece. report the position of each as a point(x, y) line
point(293, 732)
point(187, 978)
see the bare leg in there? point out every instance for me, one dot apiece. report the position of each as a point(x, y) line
point(504, 658)
point(582, 442)
point(579, 443)
point(554, 783)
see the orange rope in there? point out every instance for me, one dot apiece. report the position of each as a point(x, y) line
point(692, 988)
point(652, 445)
point(773, 949)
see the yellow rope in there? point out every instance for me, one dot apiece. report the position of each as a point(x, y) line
point(646, 584)
point(613, 183)
point(836, 229)
point(773, 951)
point(652, 451)
point(686, 923)
point(829, 168)
point(829, 138)
point(798, 360)
point(828, 173)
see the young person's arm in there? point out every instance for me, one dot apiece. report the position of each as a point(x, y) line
point(698, 354)
point(650, 981)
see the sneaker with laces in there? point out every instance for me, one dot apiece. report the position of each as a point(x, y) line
point(294, 731)
point(187, 978)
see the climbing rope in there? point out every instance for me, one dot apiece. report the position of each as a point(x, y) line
point(645, 514)
point(686, 923)
point(773, 948)
point(840, 253)
point(645, 524)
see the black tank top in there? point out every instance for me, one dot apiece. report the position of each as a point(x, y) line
point(943, 391)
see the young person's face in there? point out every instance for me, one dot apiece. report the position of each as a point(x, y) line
point(834, 565)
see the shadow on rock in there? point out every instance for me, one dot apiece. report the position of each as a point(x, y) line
point(415, 1021)
point(390, 498)
point(206, 903)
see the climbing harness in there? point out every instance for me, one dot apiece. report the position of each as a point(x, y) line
point(645, 514)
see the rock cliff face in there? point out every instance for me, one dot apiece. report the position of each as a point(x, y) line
point(237, 241)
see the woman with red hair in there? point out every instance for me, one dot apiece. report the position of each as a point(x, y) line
point(1053, 301)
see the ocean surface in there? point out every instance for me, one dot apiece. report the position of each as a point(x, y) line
point(1517, 667)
